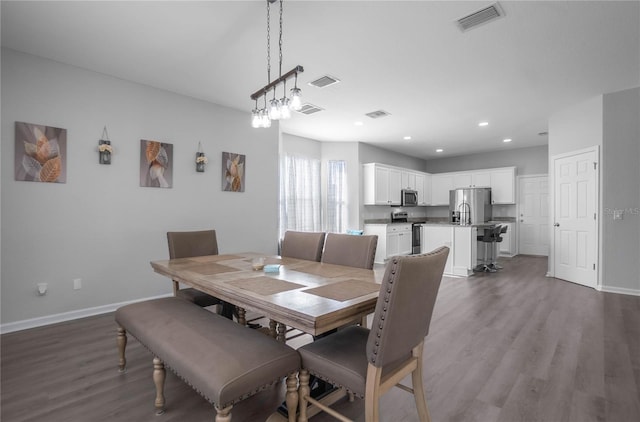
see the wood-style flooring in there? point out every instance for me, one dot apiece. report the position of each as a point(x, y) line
point(505, 347)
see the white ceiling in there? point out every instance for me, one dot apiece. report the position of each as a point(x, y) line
point(405, 57)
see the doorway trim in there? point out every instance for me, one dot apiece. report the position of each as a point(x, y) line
point(598, 199)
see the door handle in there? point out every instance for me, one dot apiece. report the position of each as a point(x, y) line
point(556, 225)
point(522, 221)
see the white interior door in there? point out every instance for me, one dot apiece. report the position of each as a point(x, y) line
point(533, 220)
point(575, 219)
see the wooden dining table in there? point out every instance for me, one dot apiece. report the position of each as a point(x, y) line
point(310, 296)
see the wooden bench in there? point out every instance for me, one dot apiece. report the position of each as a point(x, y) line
point(223, 361)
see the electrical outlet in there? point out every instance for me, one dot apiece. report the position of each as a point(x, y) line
point(77, 283)
point(42, 289)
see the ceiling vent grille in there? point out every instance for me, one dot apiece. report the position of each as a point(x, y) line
point(377, 114)
point(324, 81)
point(480, 17)
point(309, 109)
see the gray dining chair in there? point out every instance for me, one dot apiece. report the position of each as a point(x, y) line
point(368, 362)
point(302, 245)
point(189, 244)
point(350, 250)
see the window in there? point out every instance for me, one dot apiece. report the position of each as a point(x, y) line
point(337, 216)
point(299, 194)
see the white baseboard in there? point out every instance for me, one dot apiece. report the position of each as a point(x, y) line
point(619, 290)
point(67, 316)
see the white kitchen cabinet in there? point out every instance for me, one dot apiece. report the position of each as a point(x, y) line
point(472, 179)
point(435, 236)
point(462, 244)
point(508, 244)
point(441, 184)
point(461, 180)
point(503, 183)
point(382, 184)
point(393, 239)
point(408, 180)
point(423, 186)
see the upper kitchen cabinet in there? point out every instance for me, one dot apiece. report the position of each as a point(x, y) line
point(503, 181)
point(441, 184)
point(423, 186)
point(408, 179)
point(472, 179)
point(500, 180)
point(382, 184)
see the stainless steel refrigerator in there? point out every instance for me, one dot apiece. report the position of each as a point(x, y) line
point(469, 205)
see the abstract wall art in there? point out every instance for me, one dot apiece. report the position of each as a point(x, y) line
point(233, 170)
point(156, 164)
point(40, 153)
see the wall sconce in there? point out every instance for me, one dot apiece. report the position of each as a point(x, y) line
point(104, 148)
point(201, 159)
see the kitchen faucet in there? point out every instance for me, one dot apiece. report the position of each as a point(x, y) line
point(465, 214)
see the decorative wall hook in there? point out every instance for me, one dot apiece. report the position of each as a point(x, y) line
point(201, 159)
point(104, 147)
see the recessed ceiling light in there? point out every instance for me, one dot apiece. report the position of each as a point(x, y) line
point(506, 140)
point(358, 123)
point(439, 150)
point(481, 124)
point(407, 138)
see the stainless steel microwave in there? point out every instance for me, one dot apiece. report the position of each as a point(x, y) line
point(409, 198)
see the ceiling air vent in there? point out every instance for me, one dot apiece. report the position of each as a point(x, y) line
point(309, 109)
point(324, 81)
point(377, 114)
point(480, 17)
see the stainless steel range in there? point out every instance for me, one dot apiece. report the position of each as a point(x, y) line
point(403, 217)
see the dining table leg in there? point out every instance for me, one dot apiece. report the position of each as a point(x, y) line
point(282, 329)
point(242, 316)
point(272, 328)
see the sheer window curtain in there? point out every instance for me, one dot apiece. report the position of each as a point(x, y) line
point(337, 214)
point(300, 202)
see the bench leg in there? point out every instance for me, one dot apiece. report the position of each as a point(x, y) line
point(303, 376)
point(122, 345)
point(223, 415)
point(291, 397)
point(159, 374)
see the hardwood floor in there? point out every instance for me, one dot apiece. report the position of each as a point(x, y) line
point(505, 347)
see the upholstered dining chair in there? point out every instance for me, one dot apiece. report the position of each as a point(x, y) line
point(367, 362)
point(350, 250)
point(302, 245)
point(196, 243)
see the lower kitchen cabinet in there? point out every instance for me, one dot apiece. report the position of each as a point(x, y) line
point(393, 239)
point(508, 244)
point(461, 241)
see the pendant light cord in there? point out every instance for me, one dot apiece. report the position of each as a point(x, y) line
point(280, 41)
point(268, 42)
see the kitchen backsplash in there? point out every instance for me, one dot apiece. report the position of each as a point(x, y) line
point(375, 212)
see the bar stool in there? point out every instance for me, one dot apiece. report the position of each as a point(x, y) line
point(489, 239)
point(496, 249)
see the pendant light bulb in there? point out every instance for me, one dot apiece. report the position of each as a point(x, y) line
point(274, 109)
point(296, 99)
point(285, 111)
point(256, 120)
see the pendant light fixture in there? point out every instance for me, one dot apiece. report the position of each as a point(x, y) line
point(277, 108)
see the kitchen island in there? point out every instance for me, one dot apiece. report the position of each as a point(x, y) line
point(461, 240)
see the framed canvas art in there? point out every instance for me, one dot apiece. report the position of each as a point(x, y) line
point(40, 153)
point(156, 164)
point(233, 169)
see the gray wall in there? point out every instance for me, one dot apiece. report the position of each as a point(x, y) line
point(620, 189)
point(532, 160)
point(101, 226)
point(610, 122)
